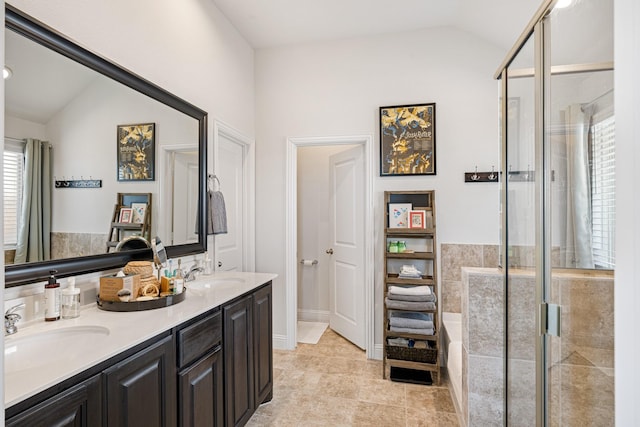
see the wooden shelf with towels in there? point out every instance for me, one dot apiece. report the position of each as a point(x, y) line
point(411, 363)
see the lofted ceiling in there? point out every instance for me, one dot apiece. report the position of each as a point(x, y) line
point(273, 23)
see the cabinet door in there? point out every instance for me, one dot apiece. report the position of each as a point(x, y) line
point(200, 393)
point(141, 390)
point(78, 406)
point(238, 362)
point(263, 344)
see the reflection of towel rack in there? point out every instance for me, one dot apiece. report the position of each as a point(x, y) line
point(210, 182)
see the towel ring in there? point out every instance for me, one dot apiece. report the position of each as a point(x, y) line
point(210, 183)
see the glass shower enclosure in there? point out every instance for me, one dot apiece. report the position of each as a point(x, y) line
point(558, 217)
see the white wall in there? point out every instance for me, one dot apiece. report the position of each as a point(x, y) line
point(627, 294)
point(20, 128)
point(83, 136)
point(336, 88)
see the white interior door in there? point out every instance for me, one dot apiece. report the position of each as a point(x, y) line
point(230, 172)
point(185, 206)
point(346, 251)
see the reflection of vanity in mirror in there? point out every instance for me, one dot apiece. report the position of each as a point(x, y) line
point(65, 98)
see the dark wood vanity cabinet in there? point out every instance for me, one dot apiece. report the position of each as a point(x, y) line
point(263, 344)
point(201, 393)
point(200, 378)
point(213, 370)
point(141, 390)
point(248, 350)
point(238, 361)
point(78, 406)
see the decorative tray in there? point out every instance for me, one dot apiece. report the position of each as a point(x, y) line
point(141, 305)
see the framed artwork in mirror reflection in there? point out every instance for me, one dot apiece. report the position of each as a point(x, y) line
point(136, 152)
point(408, 140)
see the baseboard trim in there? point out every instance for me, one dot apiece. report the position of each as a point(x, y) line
point(377, 352)
point(313, 315)
point(280, 342)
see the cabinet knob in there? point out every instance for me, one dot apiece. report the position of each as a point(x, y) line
point(329, 251)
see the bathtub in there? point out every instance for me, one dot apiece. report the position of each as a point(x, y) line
point(452, 340)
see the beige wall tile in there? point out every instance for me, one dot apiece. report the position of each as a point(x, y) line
point(455, 256)
point(490, 256)
point(522, 317)
point(451, 298)
point(587, 311)
point(485, 314)
point(521, 392)
point(486, 398)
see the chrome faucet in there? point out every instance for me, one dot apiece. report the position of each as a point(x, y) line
point(10, 319)
point(191, 274)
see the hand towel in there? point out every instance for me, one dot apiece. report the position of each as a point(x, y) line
point(397, 297)
point(409, 305)
point(413, 290)
point(411, 330)
point(217, 214)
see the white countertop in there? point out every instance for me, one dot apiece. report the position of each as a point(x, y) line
point(123, 330)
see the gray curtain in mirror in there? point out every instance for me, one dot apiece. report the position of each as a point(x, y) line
point(34, 232)
point(579, 248)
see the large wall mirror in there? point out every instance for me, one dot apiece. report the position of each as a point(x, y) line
point(73, 122)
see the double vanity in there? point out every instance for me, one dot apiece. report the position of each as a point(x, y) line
point(204, 361)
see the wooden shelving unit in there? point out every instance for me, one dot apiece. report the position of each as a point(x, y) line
point(120, 230)
point(421, 243)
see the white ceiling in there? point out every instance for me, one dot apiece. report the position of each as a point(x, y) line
point(286, 22)
point(43, 81)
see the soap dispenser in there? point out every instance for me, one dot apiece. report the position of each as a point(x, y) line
point(70, 300)
point(52, 298)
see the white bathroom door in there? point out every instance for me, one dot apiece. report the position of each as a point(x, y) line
point(229, 251)
point(185, 197)
point(346, 251)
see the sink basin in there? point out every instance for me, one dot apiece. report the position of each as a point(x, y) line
point(215, 283)
point(36, 350)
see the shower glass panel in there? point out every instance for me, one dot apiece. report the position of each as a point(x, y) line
point(580, 136)
point(558, 198)
point(520, 240)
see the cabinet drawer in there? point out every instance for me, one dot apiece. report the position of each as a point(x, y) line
point(198, 338)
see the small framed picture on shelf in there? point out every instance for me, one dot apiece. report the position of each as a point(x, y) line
point(417, 219)
point(125, 215)
point(139, 211)
point(399, 215)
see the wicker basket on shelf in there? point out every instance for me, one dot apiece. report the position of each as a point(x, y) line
point(424, 355)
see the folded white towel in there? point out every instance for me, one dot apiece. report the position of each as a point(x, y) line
point(409, 269)
point(413, 290)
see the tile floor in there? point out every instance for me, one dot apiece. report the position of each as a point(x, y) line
point(333, 384)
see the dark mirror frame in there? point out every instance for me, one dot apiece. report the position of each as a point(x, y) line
point(32, 29)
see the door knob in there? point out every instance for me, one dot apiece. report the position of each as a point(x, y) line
point(329, 251)
point(219, 263)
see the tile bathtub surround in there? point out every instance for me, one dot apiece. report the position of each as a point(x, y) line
point(581, 372)
point(333, 383)
point(454, 256)
point(68, 245)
